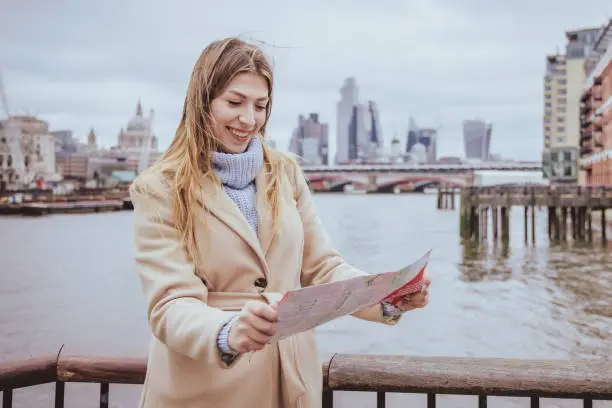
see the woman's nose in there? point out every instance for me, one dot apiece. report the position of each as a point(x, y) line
point(247, 117)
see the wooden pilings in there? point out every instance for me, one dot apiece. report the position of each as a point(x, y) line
point(578, 203)
point(475, 219)
point(446, 198)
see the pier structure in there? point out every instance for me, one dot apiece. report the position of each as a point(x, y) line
point(446, 198)
point(570, 210)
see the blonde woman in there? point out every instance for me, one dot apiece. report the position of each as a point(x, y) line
point(221, 221)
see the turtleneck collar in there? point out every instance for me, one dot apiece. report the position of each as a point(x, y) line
point(238, 170)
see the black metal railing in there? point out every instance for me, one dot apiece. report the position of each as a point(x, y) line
point(586, 380)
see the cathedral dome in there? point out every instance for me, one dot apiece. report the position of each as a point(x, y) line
point(138, 122)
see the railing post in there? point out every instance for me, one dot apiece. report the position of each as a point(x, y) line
point(328, 399)
point(381, 401)
point(59, 394)
point(104, 397)
point(7, 398)
point(431, 400)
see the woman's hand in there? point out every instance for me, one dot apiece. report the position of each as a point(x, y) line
point(415, 300)
point(254, 327)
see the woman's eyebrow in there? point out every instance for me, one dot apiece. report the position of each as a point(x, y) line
point(263, 98)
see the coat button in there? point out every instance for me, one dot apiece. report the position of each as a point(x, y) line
point(261, 283)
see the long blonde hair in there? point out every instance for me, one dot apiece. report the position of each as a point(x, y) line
point(188, 160)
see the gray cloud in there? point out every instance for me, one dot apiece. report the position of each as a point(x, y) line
point(83, 64)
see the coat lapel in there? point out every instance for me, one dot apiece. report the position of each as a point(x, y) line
point(264, 212)
point(220, 205)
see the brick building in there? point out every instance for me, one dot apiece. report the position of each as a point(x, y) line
point(596, 117)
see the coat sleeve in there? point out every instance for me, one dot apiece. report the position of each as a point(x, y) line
point(176, 297)
point(321, 262)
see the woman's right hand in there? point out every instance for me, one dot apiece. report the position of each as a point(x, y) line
point(254, 327)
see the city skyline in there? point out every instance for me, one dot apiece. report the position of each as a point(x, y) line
point(451, 73)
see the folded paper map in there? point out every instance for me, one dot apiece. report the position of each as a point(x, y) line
point(306, 308)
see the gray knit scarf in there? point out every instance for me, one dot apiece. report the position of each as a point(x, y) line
point(237, 173)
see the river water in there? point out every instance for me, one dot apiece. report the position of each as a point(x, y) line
point(69, 280)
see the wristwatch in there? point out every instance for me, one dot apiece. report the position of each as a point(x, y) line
point(391, 314)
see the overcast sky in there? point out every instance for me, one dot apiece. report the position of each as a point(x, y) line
point(84, 63)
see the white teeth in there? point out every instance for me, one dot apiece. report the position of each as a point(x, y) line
point(238, 133)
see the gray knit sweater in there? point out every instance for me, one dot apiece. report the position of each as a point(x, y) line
point(237, 174)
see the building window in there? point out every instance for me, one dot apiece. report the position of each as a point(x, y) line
point(560, 128)
point(560, 139)
point(547, 88)
point(562, 91)
point(547, 128)
point(561, 109)
point(560, 119)
point(567, 156)
point(561, 81)
point(575, 51)
point(548, 104)
point(547, 121)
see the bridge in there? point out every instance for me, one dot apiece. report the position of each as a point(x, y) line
point(425, 167)
point(389, 178)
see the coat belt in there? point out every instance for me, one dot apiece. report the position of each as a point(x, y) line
point(292, 385)
point(233, 301)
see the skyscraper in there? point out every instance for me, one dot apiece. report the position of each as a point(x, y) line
point(344, 113)
point(310, 140)
point(477, 139)
point(428, 137)
point(413, 137)
point(359, 131)
point(375, 139)
point(425, 141)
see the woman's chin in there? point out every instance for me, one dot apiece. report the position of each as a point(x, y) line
point(236, 145)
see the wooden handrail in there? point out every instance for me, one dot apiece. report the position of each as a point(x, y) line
point(25, 373)
point(588, 379)
point(471, 376)
point(101, 369)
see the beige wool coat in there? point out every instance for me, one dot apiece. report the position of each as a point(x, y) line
point(186, 306)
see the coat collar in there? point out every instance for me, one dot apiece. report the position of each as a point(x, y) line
point(221, 206)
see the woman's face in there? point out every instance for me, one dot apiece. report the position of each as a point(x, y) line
point(239, 111)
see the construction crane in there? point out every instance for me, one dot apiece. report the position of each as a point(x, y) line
point(12, 133)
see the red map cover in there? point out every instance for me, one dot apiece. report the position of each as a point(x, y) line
point(417, 284)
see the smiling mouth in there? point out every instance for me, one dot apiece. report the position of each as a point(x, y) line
point(238, 133)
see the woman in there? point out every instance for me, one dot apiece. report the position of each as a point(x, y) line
point(222, 223)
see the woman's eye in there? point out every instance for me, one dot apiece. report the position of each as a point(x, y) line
point(260, 108)
point(234, 103)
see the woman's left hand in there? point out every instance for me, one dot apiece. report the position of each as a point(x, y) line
point(416, 300)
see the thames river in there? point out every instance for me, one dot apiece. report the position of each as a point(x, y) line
point(70, 280)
